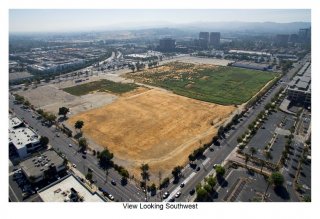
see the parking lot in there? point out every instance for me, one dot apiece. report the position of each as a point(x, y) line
point(276, 120)
point(245, 186)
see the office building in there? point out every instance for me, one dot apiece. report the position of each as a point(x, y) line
point(44, 166)
point(23, 140)
point(299, 88)
point(204, 40)
point(214, 39)
point(167, 45)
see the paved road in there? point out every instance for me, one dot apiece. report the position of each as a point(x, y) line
point(221, 152)
point(122, 193)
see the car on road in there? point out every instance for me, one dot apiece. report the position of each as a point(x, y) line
point(192, 191)
point(181, 185)
point(74, 165)
point(178, 194)
point(84, 156)
point(113, 182)
point(70, 145)
point(171, 199)
point(211, 149)
point(58, 135)
point(165, 195)
point(111, 197)
point(198, 168)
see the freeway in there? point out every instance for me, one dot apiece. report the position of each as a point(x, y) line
point(228, 143)
point(128, 192)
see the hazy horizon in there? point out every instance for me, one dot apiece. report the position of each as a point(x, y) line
point(66, 20)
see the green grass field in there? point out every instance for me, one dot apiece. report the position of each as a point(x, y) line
point(217, 84)
point(102, 86)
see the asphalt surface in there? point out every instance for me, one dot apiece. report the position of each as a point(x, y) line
point(128, 192)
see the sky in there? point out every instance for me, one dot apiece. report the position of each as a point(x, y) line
point(50, 20)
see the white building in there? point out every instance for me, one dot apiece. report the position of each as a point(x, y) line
point(68, 189)
point(24, 140)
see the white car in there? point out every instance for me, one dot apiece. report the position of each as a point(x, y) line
point(74, 165)
point(111, 197)
point(70, 145)
point(178, 194)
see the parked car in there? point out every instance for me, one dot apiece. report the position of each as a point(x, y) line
point(113, 182)
point(181, 185)
point(70, 145)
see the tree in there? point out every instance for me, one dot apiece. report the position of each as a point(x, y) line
point(132, 67)
point(220, 170)
point(152, 188)
point(105, 159)
point(44, 141)
point(192, 158)
point(145, 172)
point(83, 144)
point(211, 181)
point(63, 111)
point(145, 175)
point(79, 124)
point(176, 172)
point(252, 151)
point(50, 117)
point(220, 131)
point(40, 111)
point(202, 194)
point(277, 179)
point(27, 103)
point(125, 174)
point(164, 182)
point(89, 176)
point(239, 139)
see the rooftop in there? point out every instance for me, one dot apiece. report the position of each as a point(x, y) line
point(69, 189)
point(21, 137)
point(302, 81)
point(14, 122)
point(35, 166)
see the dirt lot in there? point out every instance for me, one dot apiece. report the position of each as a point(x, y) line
point(198, 60)
point(154, 127)
point(50, 98)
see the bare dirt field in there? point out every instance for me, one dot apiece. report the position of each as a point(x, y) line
point(154, 127)
point(50, 99)
point(198, 60)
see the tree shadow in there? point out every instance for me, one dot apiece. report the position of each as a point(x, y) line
point(282, 192)
point(124, 182)
point(214, 195)
point(78, 135)
point(222, 181)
